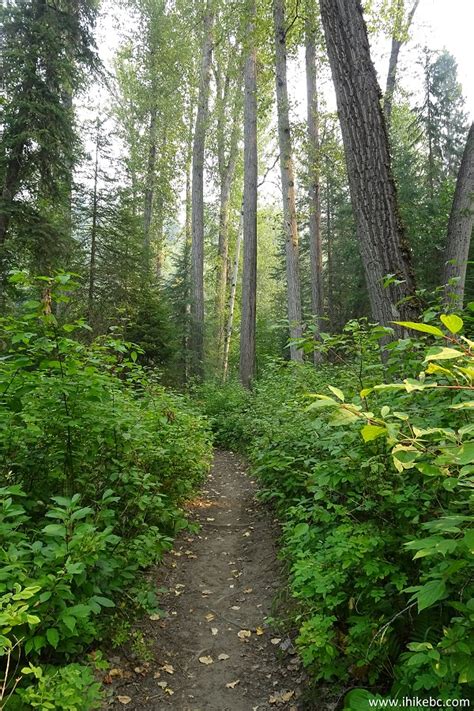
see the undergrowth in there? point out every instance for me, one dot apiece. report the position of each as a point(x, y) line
point(95, 458)
point(370, 468)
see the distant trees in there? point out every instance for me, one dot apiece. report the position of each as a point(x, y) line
point(401, 22)
point(143, 197)
point(427, 142)
point(46, 52)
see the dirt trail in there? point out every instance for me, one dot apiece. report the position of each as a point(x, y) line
point(220, 587)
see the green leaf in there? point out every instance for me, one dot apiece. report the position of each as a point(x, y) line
point(423, 327)
point(443, 354)
point(56, 530)
point(81, 513)
point(104, 601)
point(371, 432)
point(323, 402)
point(359, 700)
point(338, 393)
point(452, 322)
point(69, 621)
point(468, 540)
point(406, 456)
point(430, 593)
point(466, 453)
point(52, 635)
point(428, 469)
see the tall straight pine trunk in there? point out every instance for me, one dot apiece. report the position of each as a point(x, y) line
point(382, 240)
point(197, 201)
point(287, 180)
point(314, 161)
point(249, 272)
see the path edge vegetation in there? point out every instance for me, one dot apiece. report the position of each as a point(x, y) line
point(369, 468)
point(98, 459)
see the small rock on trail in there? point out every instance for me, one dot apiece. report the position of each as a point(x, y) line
point(213, 651)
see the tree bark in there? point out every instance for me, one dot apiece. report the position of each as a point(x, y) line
point(159, 236)
point(249, 273)
point(330, 265)
point(382, 239)
point(231, 306)
point(461, 222)
point(197, 201)
point(149, 188)
point(93, 252)
point(188, 235)
point(227, 161)
point(287, 180)
point(397, 41)
point(314, 198)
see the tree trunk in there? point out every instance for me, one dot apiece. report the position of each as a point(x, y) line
point(188, 236)
point(249, 273)
point(382, 240)
point(197, 201)
point(314, 199)
point(461, 221)
point(149, 189)
point(397, 40)
point(330, 266)
point(287, 180)
point(231, 306)
point(93, 253)
point(159, 237)
point(226, 176)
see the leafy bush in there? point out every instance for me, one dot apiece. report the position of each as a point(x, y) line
point(226, 409)
point(373, 485)
point(95, 460)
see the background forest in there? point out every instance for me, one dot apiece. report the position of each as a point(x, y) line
point(105, 188)
point(219, 200)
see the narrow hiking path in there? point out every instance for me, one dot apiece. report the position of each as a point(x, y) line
point(213, 651)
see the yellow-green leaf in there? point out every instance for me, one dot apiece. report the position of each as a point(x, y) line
point(338, 393)
point(371, 432)
point(452, 322)
point(423, 327)
point(462, 405)
point(443, 354)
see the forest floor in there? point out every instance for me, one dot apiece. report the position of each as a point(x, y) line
point(213, 651)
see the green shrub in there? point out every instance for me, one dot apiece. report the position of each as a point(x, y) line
point(68, 688)
point(226, 407)
point(95, 459)
point(373, 485)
